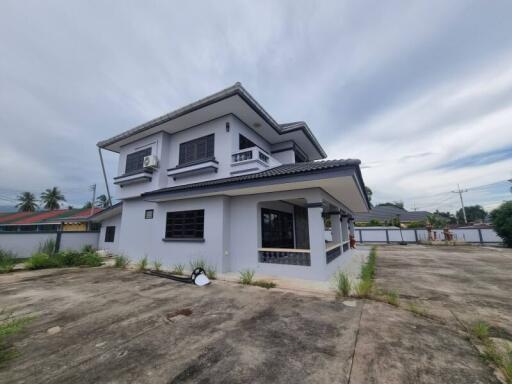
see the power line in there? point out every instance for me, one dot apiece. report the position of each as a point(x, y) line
point(460, 192)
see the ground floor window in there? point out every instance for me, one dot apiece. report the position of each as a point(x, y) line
point(110, 233)
point(276, 229)
point(185, 224)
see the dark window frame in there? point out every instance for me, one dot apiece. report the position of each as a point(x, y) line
point(149, 214)
point(185, 225)
point(196, 150)
point(277, 224)
point(110, 233)
point(135, 160)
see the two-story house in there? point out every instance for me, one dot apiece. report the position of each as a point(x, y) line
point(221, 180)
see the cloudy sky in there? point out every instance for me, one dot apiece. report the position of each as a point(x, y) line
point(420, 92)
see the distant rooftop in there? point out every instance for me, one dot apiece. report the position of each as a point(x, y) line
point(388, 212)
point(46, 217)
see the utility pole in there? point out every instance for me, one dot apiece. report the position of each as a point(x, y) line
point(460, 192)
point(93, 189)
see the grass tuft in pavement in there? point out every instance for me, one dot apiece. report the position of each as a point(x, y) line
point(178, 269)
point(246, 276)
point(10, 326)
point(142, 265)
point(342, 284)
point(121, 261)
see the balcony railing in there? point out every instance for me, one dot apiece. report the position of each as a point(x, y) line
point(285, 256)
point(254, 153)
point(241, 156)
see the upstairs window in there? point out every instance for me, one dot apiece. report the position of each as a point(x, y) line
point(185, 224)
point(197, 150)
point(244, 142)
point(135, 160)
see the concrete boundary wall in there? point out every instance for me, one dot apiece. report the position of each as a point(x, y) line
point(24, 244)
point(384, 235)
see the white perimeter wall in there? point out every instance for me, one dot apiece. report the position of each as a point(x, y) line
point(470, 235)
point(25, 244)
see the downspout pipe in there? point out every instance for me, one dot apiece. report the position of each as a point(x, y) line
point(105, 177)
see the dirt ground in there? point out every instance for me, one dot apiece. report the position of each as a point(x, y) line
point(118, 327)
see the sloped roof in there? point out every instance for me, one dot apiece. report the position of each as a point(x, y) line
point(388, 212)
point(277, 172)
point(236, 89)
point(45, 217)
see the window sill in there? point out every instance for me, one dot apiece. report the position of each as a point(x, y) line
point(141, 176)
point(188, 170)
point(184, 239)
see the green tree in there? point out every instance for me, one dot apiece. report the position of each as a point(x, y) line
point(374, 223)
point(27, 202)
point(398, 204)
point(437, 221)
point(501, 218)
point(87, 205)
point(369, 193)
point(473, 213)
point(52, 198)
point(102, 201)
point(450, 218)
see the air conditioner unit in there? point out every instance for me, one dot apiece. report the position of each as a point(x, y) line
point(151, 161)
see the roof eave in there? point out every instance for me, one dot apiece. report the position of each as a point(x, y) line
point(236, 89)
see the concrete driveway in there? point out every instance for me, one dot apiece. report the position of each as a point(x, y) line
point(126, 327)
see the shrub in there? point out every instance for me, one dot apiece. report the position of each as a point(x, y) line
point(246, 276)
point(121, 261)
point(157, 265)
point(343, 284)
point(178, 269)
point(211, 272)
point(67, 258)
point(198, 264)
point(264, 284)
point(7, 261)
point(88, 249)
point(48, 247)
point(502, 220)
point(41, 260)
point(90, 259)
point(142, 264)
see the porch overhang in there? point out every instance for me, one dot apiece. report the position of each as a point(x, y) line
point(343, 184)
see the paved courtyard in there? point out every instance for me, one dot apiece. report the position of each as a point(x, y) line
point(121, 326)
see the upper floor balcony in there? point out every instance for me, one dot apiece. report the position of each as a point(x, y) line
point(252, 159)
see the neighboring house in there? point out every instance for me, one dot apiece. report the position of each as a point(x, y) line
point(67, 220)
point(388, 213)
point(220, 180)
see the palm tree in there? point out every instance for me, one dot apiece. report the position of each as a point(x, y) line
point(27, 202)
point(51, 198)
point(102, 201)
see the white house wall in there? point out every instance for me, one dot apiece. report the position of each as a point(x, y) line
point(144, 237)
point(112, 247)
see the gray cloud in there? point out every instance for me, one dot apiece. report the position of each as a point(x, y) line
point(385, 82)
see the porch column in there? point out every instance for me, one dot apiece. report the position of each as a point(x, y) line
point(316, 239)
point(344, 228)
point(336, 227)
point(351, 227)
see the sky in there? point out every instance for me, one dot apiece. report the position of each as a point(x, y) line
point(421, 92)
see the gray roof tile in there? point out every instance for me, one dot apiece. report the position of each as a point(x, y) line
point(282, 170)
